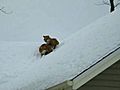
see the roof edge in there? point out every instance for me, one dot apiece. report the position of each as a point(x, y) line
point(66, 85)
point(97, 68)
point(89, 73)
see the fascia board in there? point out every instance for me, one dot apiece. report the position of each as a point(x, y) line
point(106, 62)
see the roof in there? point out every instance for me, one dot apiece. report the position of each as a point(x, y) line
point(79, 58)
point(100, 64)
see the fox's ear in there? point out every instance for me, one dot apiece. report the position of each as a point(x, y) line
point(46, 36)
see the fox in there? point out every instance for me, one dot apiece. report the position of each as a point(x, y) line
point(51, 41)
point(45, 49)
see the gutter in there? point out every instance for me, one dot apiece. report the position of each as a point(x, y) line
point(90, 72)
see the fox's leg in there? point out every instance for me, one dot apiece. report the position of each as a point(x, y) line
point(41, 55)
point(43, 52)
point(48, 52)
point(54, 47)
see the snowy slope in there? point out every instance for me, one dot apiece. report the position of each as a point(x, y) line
point(22, 69)
point(30, 19)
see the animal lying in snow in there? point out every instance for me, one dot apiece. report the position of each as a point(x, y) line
point(51, 41)
point(45, 49)
point(49, 46)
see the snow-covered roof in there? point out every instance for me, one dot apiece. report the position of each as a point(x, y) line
point(22, 69)
point(29, 19)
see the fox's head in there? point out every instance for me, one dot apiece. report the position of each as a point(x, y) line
point(47, 37)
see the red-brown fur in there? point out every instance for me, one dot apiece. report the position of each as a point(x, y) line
point(45, 48)
point(51, 41)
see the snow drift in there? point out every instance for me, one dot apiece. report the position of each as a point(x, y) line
point(22, 69)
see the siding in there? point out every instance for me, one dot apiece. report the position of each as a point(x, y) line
point(107, 80)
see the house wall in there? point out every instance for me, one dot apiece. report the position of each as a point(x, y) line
point(107, 80)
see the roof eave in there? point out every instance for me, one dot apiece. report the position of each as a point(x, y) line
point(90, 73)
point(106, 62)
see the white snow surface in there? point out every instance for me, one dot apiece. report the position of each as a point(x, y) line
point(22, 69)
point(31, 19)
point(81, 45)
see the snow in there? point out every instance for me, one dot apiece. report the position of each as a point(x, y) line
point(33, 19)
point(21, 67)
